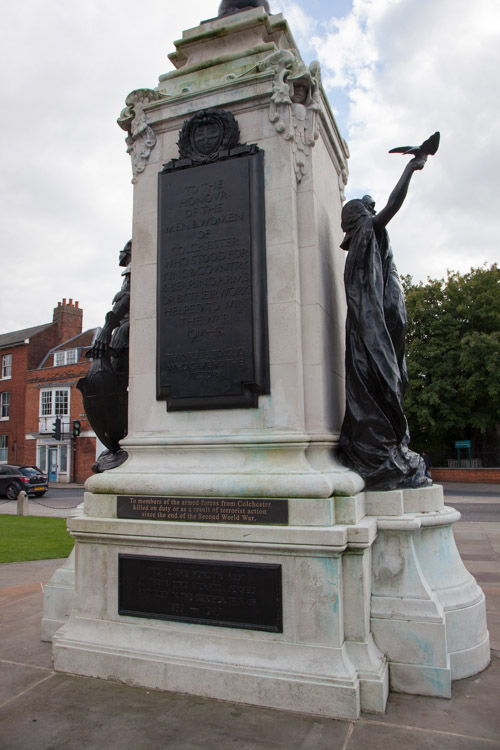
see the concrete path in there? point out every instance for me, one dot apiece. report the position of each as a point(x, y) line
point(44, 710)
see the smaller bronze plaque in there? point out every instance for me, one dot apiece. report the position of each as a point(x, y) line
point(230, 594)
point(204, 509)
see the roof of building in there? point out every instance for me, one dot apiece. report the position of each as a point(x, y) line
point(19, 337)
point(82, 340)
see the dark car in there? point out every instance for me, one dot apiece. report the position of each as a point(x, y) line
point(13, 479)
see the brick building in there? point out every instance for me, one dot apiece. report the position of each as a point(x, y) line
point(40, 368)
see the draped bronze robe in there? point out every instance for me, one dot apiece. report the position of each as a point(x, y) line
point(374, 437)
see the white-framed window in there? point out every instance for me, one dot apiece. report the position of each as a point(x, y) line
point(6, 366)
point(42, 458)
point(5, 405)
point(63, 459)
point(65, 357)
point(4, 448)
point(54, 402)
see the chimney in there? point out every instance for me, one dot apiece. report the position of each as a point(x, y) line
point(68, 318)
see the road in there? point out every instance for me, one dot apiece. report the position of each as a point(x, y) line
point(476, 502)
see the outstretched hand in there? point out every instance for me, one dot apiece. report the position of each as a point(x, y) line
point(98, 350)
point(418, 162)
point(101, 344)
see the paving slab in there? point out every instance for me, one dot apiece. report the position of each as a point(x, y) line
point(374, 735)
point(33, 571)
point(21, 613)
point(492, 594)
point(18, 679)
point(472, 711)
point(76, 712)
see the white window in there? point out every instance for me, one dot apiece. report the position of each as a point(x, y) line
point(46, 404)
point(4, 446)
point(54, 403)
point(61, 403)
point(65, 357)
point(5, 405)
point(63, 459)
point(6, 366)
point(42, 458)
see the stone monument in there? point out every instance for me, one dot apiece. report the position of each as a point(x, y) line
point(232, 555)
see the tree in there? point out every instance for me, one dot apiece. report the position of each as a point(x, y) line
point(453, 358)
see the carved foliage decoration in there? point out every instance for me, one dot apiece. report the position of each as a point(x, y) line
point(295, 103)
point(141, 137)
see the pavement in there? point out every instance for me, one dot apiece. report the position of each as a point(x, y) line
point(44, 710)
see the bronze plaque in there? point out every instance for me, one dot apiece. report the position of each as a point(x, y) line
point(204, 509)
point(212, 345)
point(230, 594)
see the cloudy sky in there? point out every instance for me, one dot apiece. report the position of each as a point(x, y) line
point(394, 70)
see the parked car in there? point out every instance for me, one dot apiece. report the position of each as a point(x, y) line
point(13, 479)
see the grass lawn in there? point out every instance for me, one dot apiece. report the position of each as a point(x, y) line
point(33, 538)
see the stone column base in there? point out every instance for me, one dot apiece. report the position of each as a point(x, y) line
point(428, 614)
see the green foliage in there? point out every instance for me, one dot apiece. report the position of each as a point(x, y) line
point(33, 538)
point(453, 357)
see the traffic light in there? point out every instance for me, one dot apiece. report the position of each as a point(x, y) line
point(76, 428)
point(56, 429)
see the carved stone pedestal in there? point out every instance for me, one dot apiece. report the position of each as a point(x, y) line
point(308, 649)
point(428, 614)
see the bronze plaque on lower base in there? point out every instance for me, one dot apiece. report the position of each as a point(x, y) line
point(229, 594)
point(204, 509)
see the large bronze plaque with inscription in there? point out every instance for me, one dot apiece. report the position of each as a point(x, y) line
point(232, 594)
point(204, 509)
point(212, 296)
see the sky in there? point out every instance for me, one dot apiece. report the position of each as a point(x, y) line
point(394, 71)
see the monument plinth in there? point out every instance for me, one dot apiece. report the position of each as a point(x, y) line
point(231, 554)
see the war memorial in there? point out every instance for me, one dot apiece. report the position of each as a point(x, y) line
point(265, 536)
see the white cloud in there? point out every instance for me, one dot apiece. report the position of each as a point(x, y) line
point(65, 191)
point(411, 67)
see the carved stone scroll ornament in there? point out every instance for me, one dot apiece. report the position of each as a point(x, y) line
point(343, 180)
point(295, 104)
point(141, 137)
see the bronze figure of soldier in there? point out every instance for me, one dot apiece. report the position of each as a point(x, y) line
point(105, 387)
